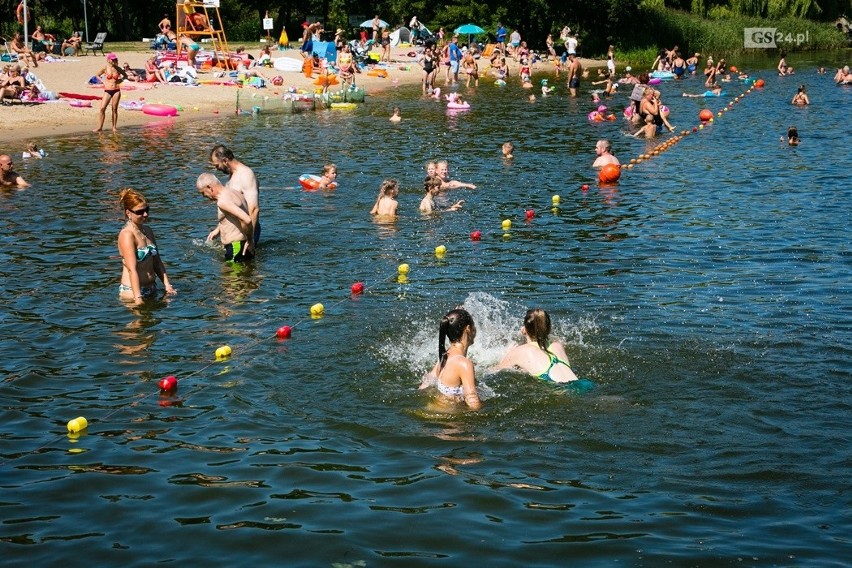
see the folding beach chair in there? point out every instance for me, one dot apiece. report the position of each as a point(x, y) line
point(8, 55)
point(95, 46)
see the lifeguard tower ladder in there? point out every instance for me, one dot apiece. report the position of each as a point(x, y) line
point(191, 16)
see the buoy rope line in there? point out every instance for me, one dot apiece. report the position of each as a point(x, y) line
point(77, 425)
point(704, 121)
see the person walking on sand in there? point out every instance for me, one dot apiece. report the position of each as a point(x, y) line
point(242, 180)
point(112, 75)
point(234, 228)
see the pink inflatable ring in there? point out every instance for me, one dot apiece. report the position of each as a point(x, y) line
point(159, 110)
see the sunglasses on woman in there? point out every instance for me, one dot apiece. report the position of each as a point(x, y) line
point(142, 211)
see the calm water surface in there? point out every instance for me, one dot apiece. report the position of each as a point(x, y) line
point(706, 296)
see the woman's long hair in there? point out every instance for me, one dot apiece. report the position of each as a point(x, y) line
point(537, 326)
point(452, 327)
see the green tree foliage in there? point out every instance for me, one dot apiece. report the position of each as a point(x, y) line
point(598, 23)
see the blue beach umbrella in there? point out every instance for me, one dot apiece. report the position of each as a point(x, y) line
point(469, 29)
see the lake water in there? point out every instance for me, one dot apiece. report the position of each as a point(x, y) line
point(706, 296)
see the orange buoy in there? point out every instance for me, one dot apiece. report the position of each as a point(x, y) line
point(705, 115)
point(759, 83)
point(609, 173)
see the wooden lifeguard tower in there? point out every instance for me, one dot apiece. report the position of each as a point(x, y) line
point(199, 19)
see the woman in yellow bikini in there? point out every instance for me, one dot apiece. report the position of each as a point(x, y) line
point(536, 356)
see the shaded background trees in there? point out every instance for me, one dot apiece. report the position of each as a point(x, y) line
point(623, 22)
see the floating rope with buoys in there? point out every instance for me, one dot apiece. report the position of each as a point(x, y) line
point(705, 118)
point(168, 385)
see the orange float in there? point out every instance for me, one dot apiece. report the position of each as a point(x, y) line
point(377, 73)
point(705, 115)
point(19, 12)
point(759, 83)
point(609, 173)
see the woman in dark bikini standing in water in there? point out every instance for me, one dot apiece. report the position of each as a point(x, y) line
point(539, 357)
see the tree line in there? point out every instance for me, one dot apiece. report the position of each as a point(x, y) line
point(621, 22)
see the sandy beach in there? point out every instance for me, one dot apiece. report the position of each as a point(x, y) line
point(28, 121)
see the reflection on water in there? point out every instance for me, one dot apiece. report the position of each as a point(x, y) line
point(704, 296)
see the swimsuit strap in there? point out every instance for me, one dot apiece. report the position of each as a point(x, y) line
point(554, 360)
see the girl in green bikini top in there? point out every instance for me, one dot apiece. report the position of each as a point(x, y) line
point(537, 356)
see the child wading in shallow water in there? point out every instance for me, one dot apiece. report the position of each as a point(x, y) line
point(386, 202)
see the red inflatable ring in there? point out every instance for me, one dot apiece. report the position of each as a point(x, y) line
point(311, 182)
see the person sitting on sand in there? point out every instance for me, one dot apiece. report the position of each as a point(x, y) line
point(432, 185)
point(12, 86)
point(801, 97)
point(442, 170)
point(131, 74)
point(73, 43)
point(42, 40)
point(25, 54)
point(538, 356)
point(9, 177)
point(153, 74)
point(386, 203)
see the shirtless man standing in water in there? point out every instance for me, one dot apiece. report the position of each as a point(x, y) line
point(235, 226)
point(242, 180)
point(575, 70)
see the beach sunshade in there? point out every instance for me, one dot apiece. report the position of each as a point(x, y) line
point(469, 29)
point(369, 24)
